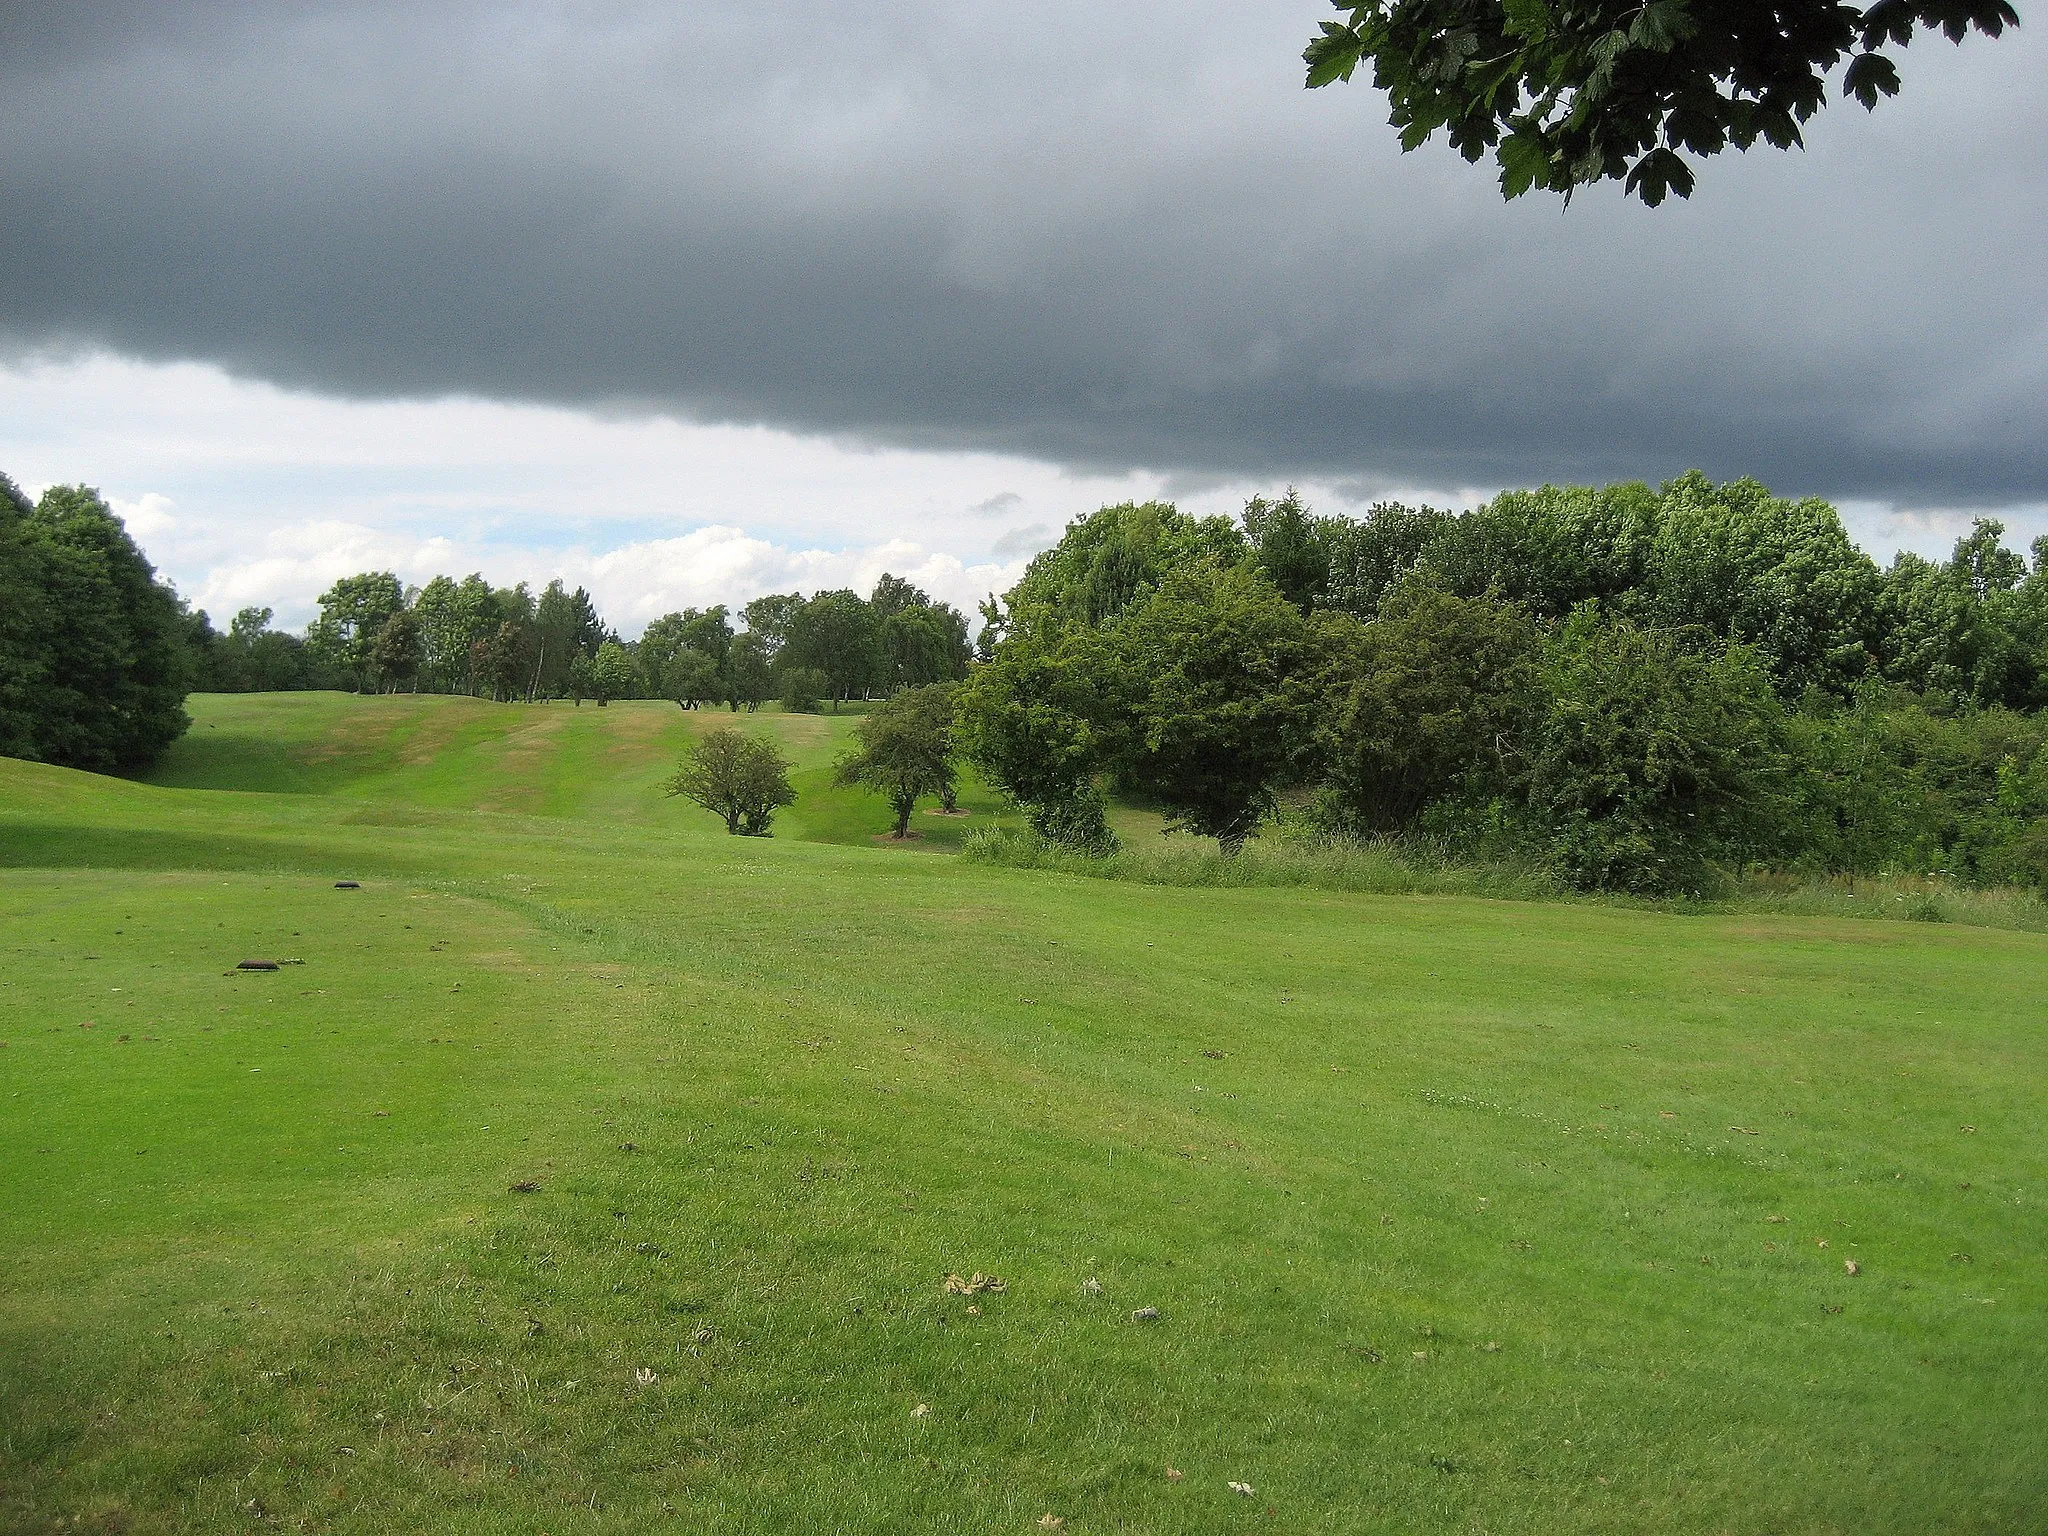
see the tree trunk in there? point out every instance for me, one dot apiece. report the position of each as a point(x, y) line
point(904, 806)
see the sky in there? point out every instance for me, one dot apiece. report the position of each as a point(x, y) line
point(689, 303)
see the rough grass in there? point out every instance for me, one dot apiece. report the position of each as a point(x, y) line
point(1392, 867)
point(1459, 1215)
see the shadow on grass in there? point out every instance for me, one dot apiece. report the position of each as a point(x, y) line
point(59, 845)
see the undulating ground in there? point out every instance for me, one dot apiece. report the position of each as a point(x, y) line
point(588, 1170)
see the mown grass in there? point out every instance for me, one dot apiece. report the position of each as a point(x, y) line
point(1458, 1214)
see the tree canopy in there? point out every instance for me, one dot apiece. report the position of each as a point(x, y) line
point(1567, 94)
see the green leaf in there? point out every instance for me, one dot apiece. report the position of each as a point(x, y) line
point(1659, 172)
point(1527, 19)
point(1870, 75)
point(1333, 56)
point(1662, 25)
point(1524, 163)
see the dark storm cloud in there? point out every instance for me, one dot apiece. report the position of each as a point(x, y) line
point(1110, 241)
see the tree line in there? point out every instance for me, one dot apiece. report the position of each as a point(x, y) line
point(97, 653)
point(374, 634)
point(1642, 689)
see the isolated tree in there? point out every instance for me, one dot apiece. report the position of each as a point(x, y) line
point(611, 673)
point(743, 778)
point(1570, 94)
point(903, 751)
point(582, 679)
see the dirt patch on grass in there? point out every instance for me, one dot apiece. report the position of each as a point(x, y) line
point(915, 839)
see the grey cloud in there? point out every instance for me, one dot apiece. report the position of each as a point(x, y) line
point(1068, 232)
point(998, 505)
point(1028, 540)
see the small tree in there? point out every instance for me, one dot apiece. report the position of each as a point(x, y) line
point(740, 777)
point(802, 687)
point(582, 677)
point(902, 751)
point(611, 674)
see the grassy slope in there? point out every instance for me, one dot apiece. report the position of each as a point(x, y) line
point(552, 760)
point(247, 1221)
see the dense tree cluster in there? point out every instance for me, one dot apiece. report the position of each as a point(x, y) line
point(1644, 688)
point(95, 653)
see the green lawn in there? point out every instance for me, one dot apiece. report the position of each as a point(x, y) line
point(1458, 1216)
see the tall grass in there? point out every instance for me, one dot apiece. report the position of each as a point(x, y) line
point(1417, 867)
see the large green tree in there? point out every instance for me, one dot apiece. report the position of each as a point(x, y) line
point(107, 665)
point(838, 634)
point(352, 613)
point(1570, 92)
point(750, 677)
point(1435, 697)
point(1661, 760)
point(1216, 685)
point(24, 623)
point(1034, 722)
point(1779, 575)
point(1105, 561)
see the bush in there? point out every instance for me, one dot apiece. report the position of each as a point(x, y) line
point(1078, 822)
point(802, 688)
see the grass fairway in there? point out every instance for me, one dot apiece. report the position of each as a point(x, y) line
point(1458, 1216)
